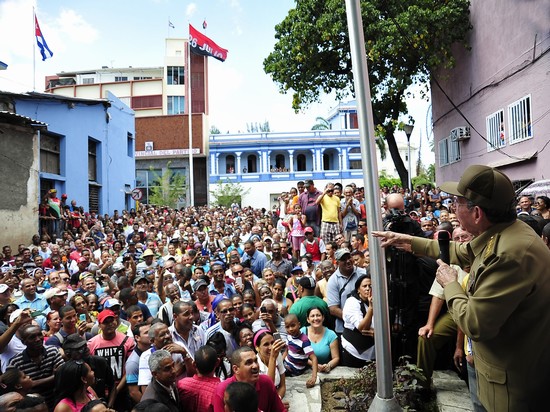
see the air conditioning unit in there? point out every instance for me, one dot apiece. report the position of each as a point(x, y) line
point(460, 133)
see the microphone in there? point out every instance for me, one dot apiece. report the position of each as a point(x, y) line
point(443, 238)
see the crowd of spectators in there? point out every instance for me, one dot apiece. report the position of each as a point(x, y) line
point(183, 306)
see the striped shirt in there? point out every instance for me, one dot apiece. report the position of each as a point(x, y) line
point(51, 360)
point(299, 349)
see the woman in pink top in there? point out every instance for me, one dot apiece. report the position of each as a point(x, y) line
point(72, 386)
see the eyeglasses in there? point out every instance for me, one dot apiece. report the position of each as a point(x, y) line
point(238, 272)
point(362, 225)
point(228, 310)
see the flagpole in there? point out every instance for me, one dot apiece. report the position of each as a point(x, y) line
point(190, 125)
point(34, 51)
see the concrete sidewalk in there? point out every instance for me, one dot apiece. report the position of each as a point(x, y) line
point(452, 393)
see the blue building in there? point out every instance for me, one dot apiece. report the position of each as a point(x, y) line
point(271, 163)
point(87, 150)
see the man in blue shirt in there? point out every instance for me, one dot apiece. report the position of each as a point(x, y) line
point(257, 259)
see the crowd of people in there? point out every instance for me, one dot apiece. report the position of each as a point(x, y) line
point(206, 308)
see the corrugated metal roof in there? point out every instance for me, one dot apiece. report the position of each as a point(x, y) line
point(17, 118)
point(50, 96)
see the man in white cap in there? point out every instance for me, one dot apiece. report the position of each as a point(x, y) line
point(504, 309)
point(341, 284)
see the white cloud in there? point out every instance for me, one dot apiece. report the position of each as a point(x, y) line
point(73, 25)
point(190, 10)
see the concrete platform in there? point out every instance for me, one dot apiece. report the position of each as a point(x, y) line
point(452, 393)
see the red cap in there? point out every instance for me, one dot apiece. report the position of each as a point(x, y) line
point(64, 196)
point(104, 314)
point(81, 259)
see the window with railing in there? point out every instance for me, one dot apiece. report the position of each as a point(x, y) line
point(520, 120)
point(495, 131)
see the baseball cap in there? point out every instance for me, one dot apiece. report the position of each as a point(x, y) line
point(198, 284)
point(484, 186)
point(81, 259)
point(340, 253)
point(64, 196)
point(52, 191)
point(308, 183)
point(307, 282)
point(138, 278)
point(74, 341)
point(104, 314)
point(117, 266)
point(308, 230)
point(85, 275)
point(109, 303)
point(50, 293)
point(3, 287)
point(296, 268)
point(15, 314)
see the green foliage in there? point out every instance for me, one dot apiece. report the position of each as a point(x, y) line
point(226, 193)
point(321, 124)
point(385, 180)
point(168, 189)
point(421, 179)
point(408, 378)
point(214, 130)
point(405, 40)
point(258, 127)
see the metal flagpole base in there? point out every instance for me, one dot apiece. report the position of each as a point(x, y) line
point(384, 405)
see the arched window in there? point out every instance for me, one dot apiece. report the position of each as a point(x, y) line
point(355, 150)
point(301, 163)
point(230, 164)
point(280, 161)
point(326, 161)
point(252, 162)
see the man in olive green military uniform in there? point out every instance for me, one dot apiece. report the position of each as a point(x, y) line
point(505, 307)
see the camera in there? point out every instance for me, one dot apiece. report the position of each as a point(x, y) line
point(393, 218)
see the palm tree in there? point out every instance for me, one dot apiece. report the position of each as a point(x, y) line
point(321, 124)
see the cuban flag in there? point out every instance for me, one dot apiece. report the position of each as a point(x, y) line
point(44, 49)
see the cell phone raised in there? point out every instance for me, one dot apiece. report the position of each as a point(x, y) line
point(263, 309)
point(82, 317)
point(36, 313)
point(239, 281)
point(276, 336)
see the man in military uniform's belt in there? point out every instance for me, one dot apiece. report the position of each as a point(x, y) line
point(505, 307)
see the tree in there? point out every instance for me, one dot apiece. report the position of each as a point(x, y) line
point(168, 189)
point(214, 130)
point(321, 124)
point(258, 127)
point(226, 193)
point(405, 41)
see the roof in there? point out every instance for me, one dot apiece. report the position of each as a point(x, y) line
point(108, 70)
point(50, 96)
point(17, 119)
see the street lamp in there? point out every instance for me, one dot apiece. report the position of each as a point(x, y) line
point(408, 129)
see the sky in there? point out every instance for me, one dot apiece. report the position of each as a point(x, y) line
point(88, 34)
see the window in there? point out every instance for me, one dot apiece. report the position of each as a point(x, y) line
point(353, 122)
point(355, 164)
point(454, 151)
point(495, 131)
point(326, 161)
point(145, 102)
point(252, 163)
point(142, 77)
point(92, 161)
point(130, 145)
point(519, 120)
point(355, 150)
point(280, 161)
point(443, 152)
point(145, 179)
point(175, 75)
point(88, 80)
point(50, 154)
point(94, 192)
point(176, 104)
point(121, 78)
point(301, 163)
point(230, 164)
